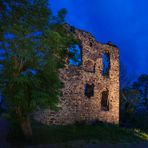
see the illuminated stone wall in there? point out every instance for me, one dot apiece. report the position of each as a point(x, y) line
point(75, 105)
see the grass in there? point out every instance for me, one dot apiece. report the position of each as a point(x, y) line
point(104, 133)
point(45, 134)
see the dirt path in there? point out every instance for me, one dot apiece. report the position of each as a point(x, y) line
point(4, 126)
point(91, 145)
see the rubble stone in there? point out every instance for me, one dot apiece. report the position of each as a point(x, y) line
point(75, 106)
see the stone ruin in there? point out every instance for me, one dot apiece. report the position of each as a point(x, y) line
point(91, 89)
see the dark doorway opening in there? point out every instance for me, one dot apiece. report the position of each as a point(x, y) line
point(105, 101)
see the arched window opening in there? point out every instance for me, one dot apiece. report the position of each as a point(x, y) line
point(104, 101)
point(106, 64)
point(75, 55)
point(89, 90)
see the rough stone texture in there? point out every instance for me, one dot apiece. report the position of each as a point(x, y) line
point(75, 106)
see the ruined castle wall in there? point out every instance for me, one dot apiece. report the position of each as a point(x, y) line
point(75, 106)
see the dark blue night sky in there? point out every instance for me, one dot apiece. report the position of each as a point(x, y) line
point(124, 22)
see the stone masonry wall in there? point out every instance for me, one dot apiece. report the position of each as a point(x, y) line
point(75, 106)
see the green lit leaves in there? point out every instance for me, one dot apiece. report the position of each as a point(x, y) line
point(34, 53)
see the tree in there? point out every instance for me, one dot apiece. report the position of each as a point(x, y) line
point(125, 77)
point(35, 46)
point(129, 96)
point(130, 100)
point(142, 86)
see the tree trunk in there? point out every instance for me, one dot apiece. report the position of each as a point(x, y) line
point(25, 123)
point(26, 128)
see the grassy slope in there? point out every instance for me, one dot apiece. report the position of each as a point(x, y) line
point(44, 134)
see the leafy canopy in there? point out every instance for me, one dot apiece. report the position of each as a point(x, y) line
point(33, 45)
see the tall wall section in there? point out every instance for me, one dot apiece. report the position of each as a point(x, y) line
point(75, 104)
